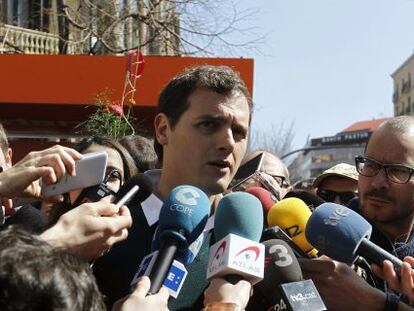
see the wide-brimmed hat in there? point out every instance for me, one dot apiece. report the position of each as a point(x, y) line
point(341, 170)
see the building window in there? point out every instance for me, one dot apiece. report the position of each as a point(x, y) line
point(32, 14)
point(322, 158)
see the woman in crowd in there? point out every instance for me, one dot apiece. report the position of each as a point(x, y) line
point(120, 167)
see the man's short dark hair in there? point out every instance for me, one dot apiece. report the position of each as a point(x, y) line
point(4, 143)
point(35, 276)
point(173, 100)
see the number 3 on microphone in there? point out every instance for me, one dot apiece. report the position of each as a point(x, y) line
point(283, 257)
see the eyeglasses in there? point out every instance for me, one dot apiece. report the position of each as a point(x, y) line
point(281, 180)
point(258, 179)
point(397, 173)
point(330, 196)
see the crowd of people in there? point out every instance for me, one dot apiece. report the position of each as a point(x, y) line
point(64, 253)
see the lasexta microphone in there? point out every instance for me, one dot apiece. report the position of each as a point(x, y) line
point(343, 234)
point(182, 219)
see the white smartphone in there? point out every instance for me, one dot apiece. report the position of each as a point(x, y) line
point(90, 171)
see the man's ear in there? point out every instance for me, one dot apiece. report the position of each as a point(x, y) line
point(8, 157)
point(162, 128)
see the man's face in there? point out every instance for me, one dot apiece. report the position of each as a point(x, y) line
point(207, 144)
point(276, 172)
point(381, 199)
point(337, 189)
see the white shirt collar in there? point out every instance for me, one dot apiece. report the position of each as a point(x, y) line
point(152, 205)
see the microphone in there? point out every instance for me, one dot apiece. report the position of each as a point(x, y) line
point(283, 286)
point(145, 188)
point(311, 199)
point(276, 232)
point(182, 219)
point(281, 266)
point(92, 194)
point(266, 198)
point(97, 192)
point(291, 215)
point(343, 234)
point(238, 225)
point(175, 277)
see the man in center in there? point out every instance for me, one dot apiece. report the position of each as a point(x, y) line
point(201, 131)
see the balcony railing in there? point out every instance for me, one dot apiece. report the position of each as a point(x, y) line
point(27, 41)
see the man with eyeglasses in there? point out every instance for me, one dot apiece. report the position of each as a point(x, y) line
point(338, 184)
point(386, 191)
point(273, 169)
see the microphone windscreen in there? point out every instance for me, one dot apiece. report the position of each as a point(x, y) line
point(184, 214)
point(281, 263)
point(311, 199)
point(291, 215)
point(265, 197)
point(145, 189)
point(337, 231)
point(239, 213)
point(281, 266)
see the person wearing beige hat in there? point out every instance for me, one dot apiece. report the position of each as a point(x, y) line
point(337, 184)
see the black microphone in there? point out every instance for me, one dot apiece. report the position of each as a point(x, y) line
point(92, 194)
point(182, 219)
point(145, 188)
point(283, 286)
point(343, 234)
point(276, 232)
point(97, 192)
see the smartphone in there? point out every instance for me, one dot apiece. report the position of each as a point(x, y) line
point(247, 170)
point(90, 171)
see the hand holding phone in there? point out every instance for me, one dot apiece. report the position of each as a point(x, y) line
point(90, 171)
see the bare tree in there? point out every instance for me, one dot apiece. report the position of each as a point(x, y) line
point(278, 140)
point(166, 27)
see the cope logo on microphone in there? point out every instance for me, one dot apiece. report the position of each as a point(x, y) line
point(187, 196)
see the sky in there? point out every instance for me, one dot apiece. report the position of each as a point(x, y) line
point(327, 63)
